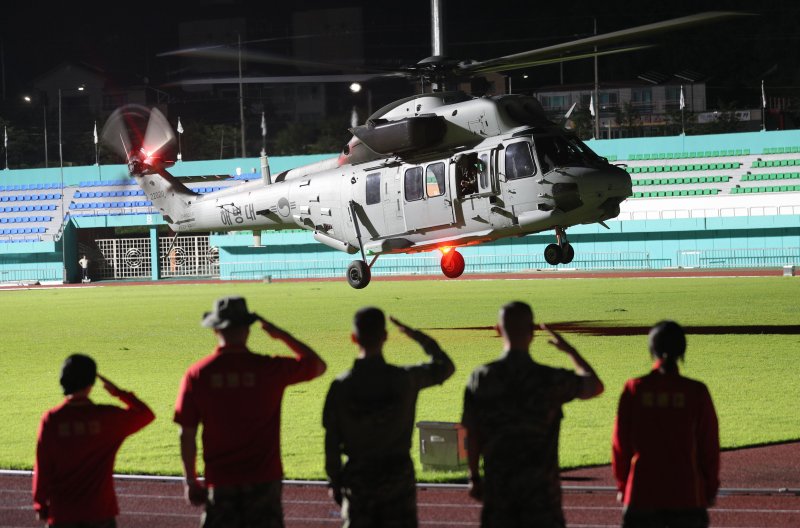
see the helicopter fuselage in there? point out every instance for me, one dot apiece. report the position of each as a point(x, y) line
point(493, 184)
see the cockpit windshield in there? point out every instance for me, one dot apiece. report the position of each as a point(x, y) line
point(563, 151)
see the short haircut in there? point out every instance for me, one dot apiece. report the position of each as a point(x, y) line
point(77, 373)
point(369, 326)
point(667, 341)
point(516, 317)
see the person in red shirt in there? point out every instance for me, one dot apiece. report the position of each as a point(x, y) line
point(236, 395)
point(665, 453)
point(77, 443)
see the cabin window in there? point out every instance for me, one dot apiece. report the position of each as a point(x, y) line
point(434, 179)
point(373, 188)
point(519, 162)
point(483, 175)
point(413, 184)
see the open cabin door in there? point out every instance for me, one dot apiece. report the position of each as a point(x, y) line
point(427, 200)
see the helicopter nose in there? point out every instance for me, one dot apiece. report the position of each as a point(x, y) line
point(616, 187)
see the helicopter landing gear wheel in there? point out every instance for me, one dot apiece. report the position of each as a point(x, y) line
point(560, 253)
point(553, 254)
point(452, 264)
point(567, 253)
point(358, 274)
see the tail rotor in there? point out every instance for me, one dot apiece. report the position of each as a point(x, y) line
point(142, 136)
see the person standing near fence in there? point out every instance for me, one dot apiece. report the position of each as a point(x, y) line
point(512, 414)
point(369, 419)
point(237, 395)
point(78, 440)
point(665, 447)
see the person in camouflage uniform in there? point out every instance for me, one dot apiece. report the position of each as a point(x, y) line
point(369, 418)
point(512, 414)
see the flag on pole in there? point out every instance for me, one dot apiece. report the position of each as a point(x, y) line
point(95, 132)
point(263, 125)
point(683, 102)
point(180, 127)
point(591, 105)
point(763, 97)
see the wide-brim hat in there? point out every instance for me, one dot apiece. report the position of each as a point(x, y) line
point(227, 312)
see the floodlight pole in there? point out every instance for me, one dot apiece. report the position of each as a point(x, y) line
point(596, 91)
point(241, 94)
point(63, 216)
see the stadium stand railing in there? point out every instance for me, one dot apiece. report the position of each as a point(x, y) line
point(739, 258)
point(430, 265)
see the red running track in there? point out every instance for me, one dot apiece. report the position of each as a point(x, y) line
point(761, 489)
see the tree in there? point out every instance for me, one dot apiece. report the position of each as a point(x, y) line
point(628, 119)
point(725, 120)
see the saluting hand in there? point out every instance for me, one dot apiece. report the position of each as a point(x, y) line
point(417, 335)
point(556, 340)
point(273, 331)
point(110, 387)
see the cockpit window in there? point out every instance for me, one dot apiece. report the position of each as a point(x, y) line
point(519, 162)
point(562, 151)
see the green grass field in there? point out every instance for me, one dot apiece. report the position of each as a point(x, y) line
point(144, 337)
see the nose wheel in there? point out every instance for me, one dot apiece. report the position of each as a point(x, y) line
point(452, 264)
point(560, 253)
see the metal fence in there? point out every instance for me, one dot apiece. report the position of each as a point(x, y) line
point(429, 265)
point(130, 258)
point(30, 275)
point(190, 256)
point(740, 258)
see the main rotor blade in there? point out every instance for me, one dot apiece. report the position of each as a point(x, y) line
point(509, 62)
point(555, 60)
point(232, 54)
point(287, 79)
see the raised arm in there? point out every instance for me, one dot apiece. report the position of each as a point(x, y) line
point(591, 385)
point(137, 409)
point(441, 362)
point(303, 351)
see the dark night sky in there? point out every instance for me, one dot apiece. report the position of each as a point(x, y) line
point(733, 53)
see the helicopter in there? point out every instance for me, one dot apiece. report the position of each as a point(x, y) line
point(431, 172)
